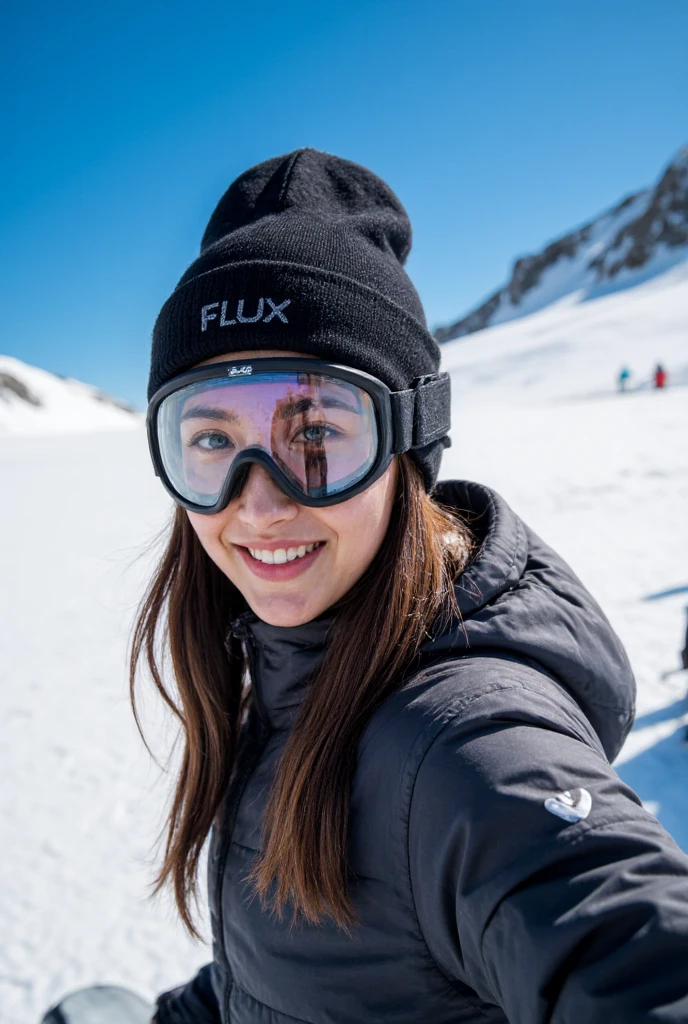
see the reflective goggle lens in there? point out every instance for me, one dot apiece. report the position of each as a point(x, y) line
point(320, 432)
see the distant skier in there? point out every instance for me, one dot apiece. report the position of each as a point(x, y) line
point(660, 377)
point(624, 378)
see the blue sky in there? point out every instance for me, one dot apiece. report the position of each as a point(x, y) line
point(499, 125)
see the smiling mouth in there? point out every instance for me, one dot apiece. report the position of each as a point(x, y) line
point(280, 556)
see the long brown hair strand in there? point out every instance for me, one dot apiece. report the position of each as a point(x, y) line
point(406, 593)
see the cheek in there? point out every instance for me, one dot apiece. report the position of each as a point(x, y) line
point(361, 523)
point(208, 530)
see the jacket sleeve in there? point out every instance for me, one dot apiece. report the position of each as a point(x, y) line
point(555, 922)
point(193, 1003)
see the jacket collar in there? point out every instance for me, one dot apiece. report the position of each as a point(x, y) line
point(282, 660)
point(502, 542)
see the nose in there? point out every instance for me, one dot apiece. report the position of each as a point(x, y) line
point(261, 503)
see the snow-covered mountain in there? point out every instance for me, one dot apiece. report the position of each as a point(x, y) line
point(33, 401)
point(642, 236)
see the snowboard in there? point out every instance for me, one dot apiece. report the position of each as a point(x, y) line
point(100, 1004)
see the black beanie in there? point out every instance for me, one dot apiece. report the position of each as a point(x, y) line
point(304, 252)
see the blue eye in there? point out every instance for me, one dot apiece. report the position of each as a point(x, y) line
point(316, 433)
point(211, 442)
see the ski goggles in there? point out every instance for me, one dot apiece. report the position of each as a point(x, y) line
point(323, 432)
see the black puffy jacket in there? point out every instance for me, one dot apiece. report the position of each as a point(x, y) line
point(477, 900)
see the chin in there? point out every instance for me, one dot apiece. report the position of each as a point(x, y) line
point(287, 612)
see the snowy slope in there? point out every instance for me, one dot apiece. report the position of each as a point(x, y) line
point(576, 348)
point(602, 477)
point(81, 802)
point(33, 401)
point(642, 236)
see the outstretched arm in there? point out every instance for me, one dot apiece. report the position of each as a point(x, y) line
point(556, 922)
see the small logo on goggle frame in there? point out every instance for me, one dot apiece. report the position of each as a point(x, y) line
point(238, 371)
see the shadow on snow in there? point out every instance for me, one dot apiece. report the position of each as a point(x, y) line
point(659, 775)
point(666, 593)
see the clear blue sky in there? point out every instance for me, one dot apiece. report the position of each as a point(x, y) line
point(498, 124)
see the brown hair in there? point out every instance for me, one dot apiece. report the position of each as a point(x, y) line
point(186, 613)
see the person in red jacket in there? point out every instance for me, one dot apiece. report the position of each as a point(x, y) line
point(660, 377)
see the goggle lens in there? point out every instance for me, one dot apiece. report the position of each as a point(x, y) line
point(321, 432)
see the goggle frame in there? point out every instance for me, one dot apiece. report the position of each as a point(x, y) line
point(379, 393)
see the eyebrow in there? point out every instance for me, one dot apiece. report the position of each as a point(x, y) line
point(301, 405)
point(208, 412)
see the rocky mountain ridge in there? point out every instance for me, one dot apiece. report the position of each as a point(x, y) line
point(645, 232)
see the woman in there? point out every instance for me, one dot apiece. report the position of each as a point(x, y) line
point(399, 710)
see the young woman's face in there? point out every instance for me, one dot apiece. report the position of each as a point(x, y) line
point(340, 541)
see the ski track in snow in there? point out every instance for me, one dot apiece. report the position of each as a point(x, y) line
point(601, 477)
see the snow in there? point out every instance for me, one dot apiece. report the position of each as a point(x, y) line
point(53, 405)
point(601, 476)
point(575, 347)
point(80, 816)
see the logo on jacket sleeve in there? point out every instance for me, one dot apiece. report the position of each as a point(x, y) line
point(228, 319)
point(571, 805)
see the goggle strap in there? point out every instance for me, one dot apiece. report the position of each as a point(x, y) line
point(423, 413)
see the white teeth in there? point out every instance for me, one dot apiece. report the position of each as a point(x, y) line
point(281, 555)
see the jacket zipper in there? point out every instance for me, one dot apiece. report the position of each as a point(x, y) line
point(244, 772)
